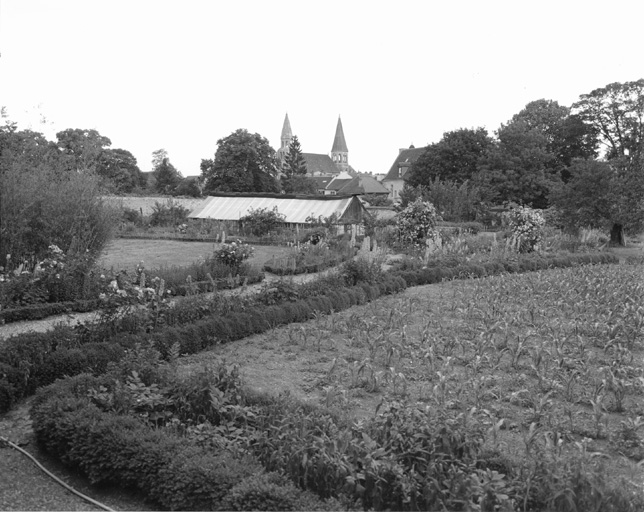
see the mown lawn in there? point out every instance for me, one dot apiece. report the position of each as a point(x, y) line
point(126, 254)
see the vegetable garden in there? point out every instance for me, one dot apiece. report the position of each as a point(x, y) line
point(513, 383)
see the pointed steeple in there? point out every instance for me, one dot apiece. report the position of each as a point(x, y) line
point(339, 151)
point(287, 134)
point(339, 144)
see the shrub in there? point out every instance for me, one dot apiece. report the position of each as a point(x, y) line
point(361, 270)
point(417, 223)
point(527, 226)
point(263, 491)
point(233, 254)
point(262, 221)
point(172, 213)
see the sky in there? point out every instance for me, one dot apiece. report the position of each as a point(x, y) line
point(180, 75)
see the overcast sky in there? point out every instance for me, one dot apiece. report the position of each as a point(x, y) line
point(182, 74)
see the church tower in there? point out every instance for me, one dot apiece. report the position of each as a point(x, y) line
point(339, 151)
point(286, 137)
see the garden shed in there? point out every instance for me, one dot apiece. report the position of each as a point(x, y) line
point(295, 208)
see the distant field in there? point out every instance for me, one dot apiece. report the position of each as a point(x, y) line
point(125, 254)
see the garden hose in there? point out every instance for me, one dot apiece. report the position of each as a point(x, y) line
point(5, 442)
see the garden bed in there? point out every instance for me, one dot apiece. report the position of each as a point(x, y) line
point(469, 372)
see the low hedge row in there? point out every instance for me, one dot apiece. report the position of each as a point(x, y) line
point(171, 471)
point(40, 311)
point(526, 263)
point(33, 360)
point(311, 268)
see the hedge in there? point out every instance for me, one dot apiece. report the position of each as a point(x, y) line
point(34, 359)
point(171, 471)
point(39, 311)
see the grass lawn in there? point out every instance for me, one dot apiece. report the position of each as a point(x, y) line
point(553, 358)
point(125, 254)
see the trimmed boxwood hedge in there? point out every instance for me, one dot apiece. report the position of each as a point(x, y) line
point(35, 359)
point(171, 471)
point(40, 311)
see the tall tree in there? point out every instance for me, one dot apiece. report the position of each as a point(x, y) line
point(294, 179)
point(294, 164)
point(119, 170)
point(565, 135)
point(616, 113)
point(456, 157)
point(41, 204)
point(244, 162)
point(167, 178)
point(605, 195)
point(519, 168)
point(82, 148)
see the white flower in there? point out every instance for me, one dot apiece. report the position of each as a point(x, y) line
point(114, 285)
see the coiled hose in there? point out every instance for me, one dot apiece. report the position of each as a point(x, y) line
point(4, 441)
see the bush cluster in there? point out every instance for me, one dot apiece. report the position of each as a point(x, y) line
point(36, 359)
point(105, 426)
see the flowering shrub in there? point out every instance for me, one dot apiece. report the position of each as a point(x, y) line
point(262, 221)
point(56, 278)
point(234, 253)
point(527, 227)
point(417, 223)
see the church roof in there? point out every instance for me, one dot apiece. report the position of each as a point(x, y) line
point(286, 129)
point(339, 144)
point(405, 158)
point(338, 184)
point(319, 164)
point(363, 185)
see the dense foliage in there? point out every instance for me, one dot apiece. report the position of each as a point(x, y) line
point(244, 162)
point(43, 202)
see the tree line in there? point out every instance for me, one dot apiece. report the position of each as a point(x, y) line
point(584, 161)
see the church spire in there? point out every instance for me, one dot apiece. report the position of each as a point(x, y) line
point(287, 134)
point(339, 151)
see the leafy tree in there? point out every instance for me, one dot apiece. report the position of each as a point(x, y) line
point(166, 176)
point(456, 157)
point(616, 113)
point(604, 195)
point(158, 156)
point(82, 149)
point(299, 185)
point(188, 186)
point(244, 162)
point(533, 152)
point(455, 202)
point(519, 168)
point(119, 169)
point(611, 191)
point(565, 136)
point(41, 204)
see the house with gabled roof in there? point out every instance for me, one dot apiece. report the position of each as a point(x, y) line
point(395, 178)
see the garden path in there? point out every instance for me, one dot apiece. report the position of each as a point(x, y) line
point(46, 324)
